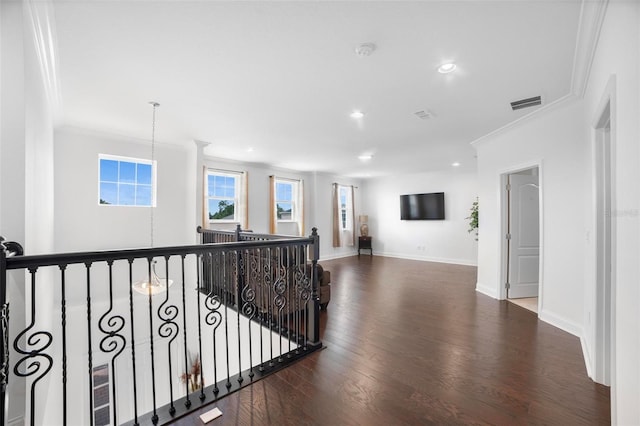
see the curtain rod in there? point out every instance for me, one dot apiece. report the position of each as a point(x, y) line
point(216, 169)
point(342, 184)
point(285, 178)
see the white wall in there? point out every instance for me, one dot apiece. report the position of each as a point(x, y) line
point(83, 224)
point(12, 161)
point(317, 196)
point(556, 141)
point(561, 140)
point(26, 159)
point(324, 214)
point(618, 55)
point(436, 240)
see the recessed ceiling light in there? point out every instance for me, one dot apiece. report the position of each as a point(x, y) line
point(365, 49)
point(357, 114)
point(250, 149)
point(365, 157)
point(456, 164)
point(447, 68)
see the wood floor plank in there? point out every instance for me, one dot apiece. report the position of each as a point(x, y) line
point(413, 343)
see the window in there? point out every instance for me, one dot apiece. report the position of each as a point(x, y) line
point(101, 413)
point(126, 181)
point(284, 201)
point(225, 196)
point(343, 215)
point(343, 207)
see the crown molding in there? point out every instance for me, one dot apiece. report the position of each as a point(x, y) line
point(592, 13)
point(566, 99)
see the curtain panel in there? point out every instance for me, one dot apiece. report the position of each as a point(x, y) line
point(335, 210)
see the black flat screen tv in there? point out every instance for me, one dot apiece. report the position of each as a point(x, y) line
point(422, 206)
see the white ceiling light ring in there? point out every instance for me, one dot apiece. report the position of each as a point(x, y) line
point(447, 68)
point(356, 114)
point(365, 49)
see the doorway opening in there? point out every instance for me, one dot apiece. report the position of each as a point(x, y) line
point(521, 218)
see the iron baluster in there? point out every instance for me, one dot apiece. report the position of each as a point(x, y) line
point(36, 344)
point(199, 274)
point(168, 330)
point(89, 343)
point(214, 319)
point(227, 278)
point(63, 314)
point(187, 402)
point(111, 325)
point(241, 285)
point(248, 302)
point(154, 417)
point(133, 345)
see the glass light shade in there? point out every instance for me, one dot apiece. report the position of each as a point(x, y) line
point(155, 286)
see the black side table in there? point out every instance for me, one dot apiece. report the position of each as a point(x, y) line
point(364, 243)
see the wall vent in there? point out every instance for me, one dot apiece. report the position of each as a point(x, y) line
point(526, 103)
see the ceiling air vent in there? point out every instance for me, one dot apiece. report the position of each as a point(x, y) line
point(526, 103)
point(424, 115)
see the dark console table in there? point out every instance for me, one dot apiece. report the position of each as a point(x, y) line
point(364, 243)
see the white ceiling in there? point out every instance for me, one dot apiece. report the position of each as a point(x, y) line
point(282, 77)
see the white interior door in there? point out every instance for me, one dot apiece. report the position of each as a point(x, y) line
point(524, 236)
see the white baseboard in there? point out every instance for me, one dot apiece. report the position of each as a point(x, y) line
point(487, 291)
point(562, 323)
point(588, 363)
point(429, 259)
point(337, 256)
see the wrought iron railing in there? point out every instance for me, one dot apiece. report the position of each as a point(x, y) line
point(237, 312)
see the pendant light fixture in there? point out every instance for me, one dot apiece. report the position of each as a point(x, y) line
point(153, 284)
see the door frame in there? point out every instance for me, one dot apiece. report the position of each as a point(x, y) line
point(603, 326)
point(504, 227)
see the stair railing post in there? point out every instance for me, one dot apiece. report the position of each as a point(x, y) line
point(7, 248)
point(313, 335)
point(4, 336)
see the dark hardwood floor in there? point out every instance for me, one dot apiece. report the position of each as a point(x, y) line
point(412, 343)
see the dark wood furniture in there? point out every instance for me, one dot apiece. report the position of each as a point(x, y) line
point(364, 243)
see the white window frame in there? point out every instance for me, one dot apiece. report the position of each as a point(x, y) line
point(294, 198)
point(133, 160)
point(237, 192)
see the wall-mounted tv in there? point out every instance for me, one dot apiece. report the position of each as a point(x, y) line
point(422, 206)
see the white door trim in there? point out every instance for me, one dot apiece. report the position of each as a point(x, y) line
point(504, 226)
point(604, 338)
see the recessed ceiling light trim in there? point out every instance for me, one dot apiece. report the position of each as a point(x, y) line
point(365, 49)
point(365, 157)
point(357, 114)
point(446, 68)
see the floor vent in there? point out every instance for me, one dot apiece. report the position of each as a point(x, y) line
point(526, 103)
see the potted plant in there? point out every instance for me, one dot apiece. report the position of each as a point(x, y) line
point(192, 375)
point(473, 218)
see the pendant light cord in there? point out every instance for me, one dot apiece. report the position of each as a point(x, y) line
point(153, 157)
